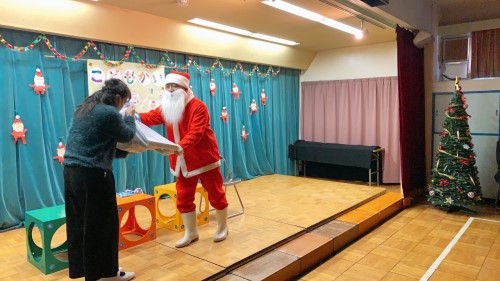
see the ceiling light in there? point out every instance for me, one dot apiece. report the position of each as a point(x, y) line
point(183, 3)
point(241, 31)
point(220, 26)
point(301, 12)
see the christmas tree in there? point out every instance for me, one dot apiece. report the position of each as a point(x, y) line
point(454, 181)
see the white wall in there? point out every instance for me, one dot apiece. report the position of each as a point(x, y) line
point(378, 60)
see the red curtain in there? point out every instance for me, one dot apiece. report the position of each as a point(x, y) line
point(485, 53)
point(411, 113)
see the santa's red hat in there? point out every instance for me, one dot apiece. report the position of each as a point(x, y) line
point(61, 145)
point(18, 119)
point(179, 78)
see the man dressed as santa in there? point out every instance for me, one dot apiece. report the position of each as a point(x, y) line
point(188, 124)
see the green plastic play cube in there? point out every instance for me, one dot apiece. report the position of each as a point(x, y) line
point(48, 220)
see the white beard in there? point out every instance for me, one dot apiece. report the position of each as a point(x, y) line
point(172, 105)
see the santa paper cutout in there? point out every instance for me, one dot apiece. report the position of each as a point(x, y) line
point(224, 115)
point(253, 107)
point(39, 86)
point(235, 92)
point(263, 98)
point(244, 134)
point(18, 130)
point(213, 87)
point(61, 149)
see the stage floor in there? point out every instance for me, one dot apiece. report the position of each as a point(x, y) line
point(277, 209)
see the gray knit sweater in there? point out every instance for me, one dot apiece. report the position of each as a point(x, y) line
point(92, 138)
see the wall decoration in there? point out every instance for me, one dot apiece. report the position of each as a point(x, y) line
point(146, 85)
point(224, 115)
point(253, 107)
point(61, 149)
point(39, 82)
point(244, 134)
point(213, 87)
point(263, 97)
point(18, 130)
point(235, 92)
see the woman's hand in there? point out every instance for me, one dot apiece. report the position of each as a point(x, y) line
point(130, 111)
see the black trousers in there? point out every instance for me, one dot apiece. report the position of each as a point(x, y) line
point(91, 222)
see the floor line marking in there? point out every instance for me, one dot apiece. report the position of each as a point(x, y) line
point(487, 220)
point(446, 251)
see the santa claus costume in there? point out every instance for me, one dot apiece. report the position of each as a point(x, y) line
point(188, 124)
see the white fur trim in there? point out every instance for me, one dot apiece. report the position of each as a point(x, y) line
point(177, 79)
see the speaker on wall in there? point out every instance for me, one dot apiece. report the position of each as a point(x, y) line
point(422, 38)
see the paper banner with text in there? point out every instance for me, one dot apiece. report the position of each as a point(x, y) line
point(145, 84)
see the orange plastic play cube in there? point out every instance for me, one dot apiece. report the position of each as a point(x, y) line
point(131, 226)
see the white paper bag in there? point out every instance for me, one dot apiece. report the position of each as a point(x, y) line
point(145, 139)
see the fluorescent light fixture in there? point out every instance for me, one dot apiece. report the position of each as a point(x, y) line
point(243, 32)
point(273, 39)
point(292, 9)
point(220, 26)
point(301, 12)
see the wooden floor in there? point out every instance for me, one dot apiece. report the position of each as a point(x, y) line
point(277, 208)
point(416, 241)
point(419, 243)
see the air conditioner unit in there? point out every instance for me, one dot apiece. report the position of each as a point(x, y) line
point(455, 49)
point(375, 3)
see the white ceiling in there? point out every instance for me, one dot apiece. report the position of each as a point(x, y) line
point(254, 16)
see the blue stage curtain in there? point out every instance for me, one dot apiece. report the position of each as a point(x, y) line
point(31, 179)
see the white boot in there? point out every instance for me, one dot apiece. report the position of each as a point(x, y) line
point(222, 229)
point(191, 231)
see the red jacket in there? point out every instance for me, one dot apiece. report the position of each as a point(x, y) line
point(193, 134)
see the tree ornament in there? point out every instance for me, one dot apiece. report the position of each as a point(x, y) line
point(18, 130)
point(244, 134)
point(39, 82)
point(213, 87)
point(253, 107)
point(444, 182)
point(61, 149)
point(470, 194)
point(263, 98)
point(432, 193)
point(224, 115)
point(235, 92)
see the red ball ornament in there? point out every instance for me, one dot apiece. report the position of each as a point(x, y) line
point(440, 147)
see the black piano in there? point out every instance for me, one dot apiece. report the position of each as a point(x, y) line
point(343, 155)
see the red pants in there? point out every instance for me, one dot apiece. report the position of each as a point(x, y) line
point(211, 181)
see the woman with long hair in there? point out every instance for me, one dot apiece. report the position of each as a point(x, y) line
point(89, 186)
